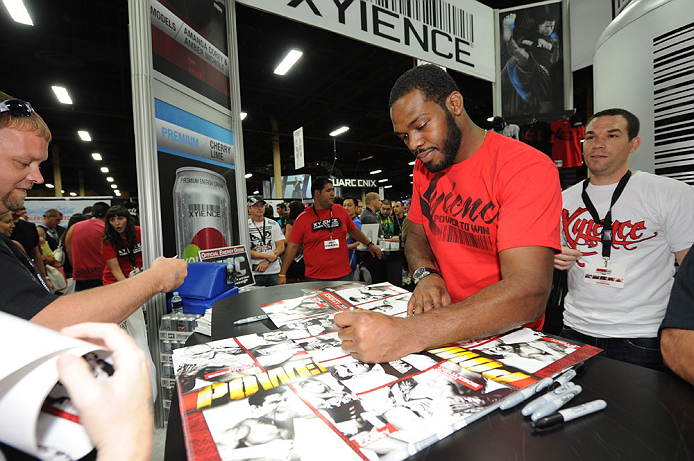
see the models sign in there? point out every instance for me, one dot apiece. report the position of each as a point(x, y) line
point(458, 36)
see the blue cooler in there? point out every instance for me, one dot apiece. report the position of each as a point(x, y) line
point(205, 284)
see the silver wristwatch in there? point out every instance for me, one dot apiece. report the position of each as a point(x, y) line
point(422, 272)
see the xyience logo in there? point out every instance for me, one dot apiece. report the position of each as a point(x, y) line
point(582, 232)
point(205, 239)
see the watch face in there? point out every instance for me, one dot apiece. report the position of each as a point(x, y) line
point(419, 273)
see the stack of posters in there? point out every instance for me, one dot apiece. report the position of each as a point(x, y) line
point(293, 393)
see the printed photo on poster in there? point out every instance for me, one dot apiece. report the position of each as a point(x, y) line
point(189, 45)
point(532, 69)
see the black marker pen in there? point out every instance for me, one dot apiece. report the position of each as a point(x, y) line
point(563, 416)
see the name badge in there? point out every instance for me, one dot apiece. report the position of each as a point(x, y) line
point(610, 275)
point(134, 272)
point(331, 244)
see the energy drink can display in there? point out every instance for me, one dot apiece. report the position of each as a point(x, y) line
point(202, 212)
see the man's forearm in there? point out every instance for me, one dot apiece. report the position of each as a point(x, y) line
point(289, 255)
point(110, 303)
point(500, 307)
point(418, 251)
point(677, 346)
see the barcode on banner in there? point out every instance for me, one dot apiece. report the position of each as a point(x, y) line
point(439, 14)
point(456, 235)
point(673, 103)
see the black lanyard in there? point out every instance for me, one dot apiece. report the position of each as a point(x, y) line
point(330, 222)
point(24, 259)
point(262, 233)
point(606, 237)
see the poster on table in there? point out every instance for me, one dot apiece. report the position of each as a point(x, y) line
point(197, 182)
point(189, 45)
point(531, 60)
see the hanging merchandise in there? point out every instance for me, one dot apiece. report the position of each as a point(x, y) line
point(566, 142)
point(537, 134)
point(509, 130)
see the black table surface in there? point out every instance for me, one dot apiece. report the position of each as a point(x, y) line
point(649, 414)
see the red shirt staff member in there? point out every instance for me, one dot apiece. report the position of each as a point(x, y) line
point(484, 228)
point(322, 229)
point(121, 246)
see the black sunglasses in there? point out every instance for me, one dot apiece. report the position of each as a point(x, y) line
point(16, 107)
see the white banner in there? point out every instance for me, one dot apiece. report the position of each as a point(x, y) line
point(299, 148)
point(37, 206)
point(456, 34)
point(174, 27)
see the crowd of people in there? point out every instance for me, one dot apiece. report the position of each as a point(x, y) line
point(270, 236)
point(485, 228)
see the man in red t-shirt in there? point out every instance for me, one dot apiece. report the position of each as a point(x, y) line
point(322, 229)
point(484, 228)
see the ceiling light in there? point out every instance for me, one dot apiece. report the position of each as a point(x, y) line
point(104, 169)
point(383, 180)
point(248, 175)
point(375, 171)
point(96, 156)
point(73, 194)
point(49, 185)
point(490, 119)
point(256, 191)
point(114, 186)
point(411, 175)
point(288, 62)
point(84, 135)
point(117, 192)
point(18, 11)
point(339, 131)
point(244, 115)
point(412, 162)
point(367, 158)
point(61, 94)
point(388, 186)
point(62, 191)
point(109, 179)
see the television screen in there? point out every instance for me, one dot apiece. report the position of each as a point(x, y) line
point(295, 186)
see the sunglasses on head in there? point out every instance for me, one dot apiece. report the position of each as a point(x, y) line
point(16, 107)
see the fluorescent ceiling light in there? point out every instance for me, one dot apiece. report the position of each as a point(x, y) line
point(243, 115)
point(62, 191)
point(367, 158)
point(339, 131)
point(288, 62)
point(114, 186)
point(411, 175)
point(117, 192)
point(61, 94)
point(383, 180)
point(490, 119)
point(104, 169)
point(388, 186)
point(73, 194)
point(412, 162)
point(96, 156)
point(248, 175)
point(84, 135)
point(109, 179)
point(18, 11)
point(49, 185)
point(375, 171)
point(256, 191)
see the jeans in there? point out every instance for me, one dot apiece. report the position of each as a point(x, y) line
point(267, 280)
point(346, 278)
point(637, 351)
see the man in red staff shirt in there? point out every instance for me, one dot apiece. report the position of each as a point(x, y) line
point(322, 229)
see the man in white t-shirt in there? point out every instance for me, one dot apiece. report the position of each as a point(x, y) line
point(620, 279)
point(267, 243)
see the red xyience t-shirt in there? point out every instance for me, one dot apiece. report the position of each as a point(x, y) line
point(108, 252)
point(566, 144)
point(506, 195)
point(311, 230)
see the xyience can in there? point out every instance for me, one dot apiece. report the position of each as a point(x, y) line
point(202, 212)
